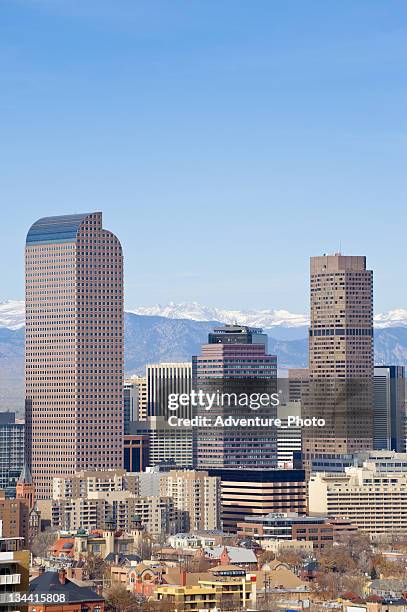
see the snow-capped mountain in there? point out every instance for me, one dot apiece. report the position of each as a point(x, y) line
point(393, 318)
point(258, 318)
point(12, 315)
point(192, 310)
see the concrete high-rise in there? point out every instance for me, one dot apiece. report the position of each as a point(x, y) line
point(341, 353)
point(235, 363)
point(74, 348)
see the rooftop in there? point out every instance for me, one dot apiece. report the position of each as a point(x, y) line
point(62, 228)
point(49, 582)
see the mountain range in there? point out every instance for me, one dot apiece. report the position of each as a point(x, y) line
point(12, 315)
point(176, 331)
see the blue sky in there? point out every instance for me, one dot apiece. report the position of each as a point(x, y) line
point(225, 141)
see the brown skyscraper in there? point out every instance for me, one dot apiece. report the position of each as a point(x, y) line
point(341, 334)
point(74, 347)
point(341, 352)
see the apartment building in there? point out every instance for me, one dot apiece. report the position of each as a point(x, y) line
point(14, 571)
point(196, 498)
point(96, 511)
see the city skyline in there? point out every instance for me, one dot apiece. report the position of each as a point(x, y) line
point(300, 304)
point(203, 346)
point(192, 124)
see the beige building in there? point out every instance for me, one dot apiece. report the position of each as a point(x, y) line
point(88, 499)
point(84, 482)
point(135, 388)
point(224, 587)
point(196, 498)
point(279, 546)
point(94, 512)
point(341, 310)
point(340, 355)
point(74, 347)
point(375, 501)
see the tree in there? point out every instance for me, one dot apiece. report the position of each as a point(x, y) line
point(360, 550)
point(384, 567)
point(42, 541)
point(330, 585)
point(337, 559)
point(96, 568)
point(266, 556)
point(292, 557)
point(119, 599)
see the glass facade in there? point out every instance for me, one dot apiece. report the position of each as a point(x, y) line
point(55, 229)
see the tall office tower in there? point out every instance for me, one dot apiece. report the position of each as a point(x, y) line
point(162, 380)
point(235, 364)
point(74, 348)
point(389, 408)
point(340, 355)
point(134, 401)
point(11, 452)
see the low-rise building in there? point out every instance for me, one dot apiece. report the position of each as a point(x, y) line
point(14, 518)
point(388, 588)
point(197, 539)
point(278, 546)
point(232, 555)
point(55, 592)
point(192, 597)
point(69, 548)
point(223, 587)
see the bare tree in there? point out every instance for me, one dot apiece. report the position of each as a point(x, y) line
point(119, 599)
point(96, 568)
point(42, 541)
